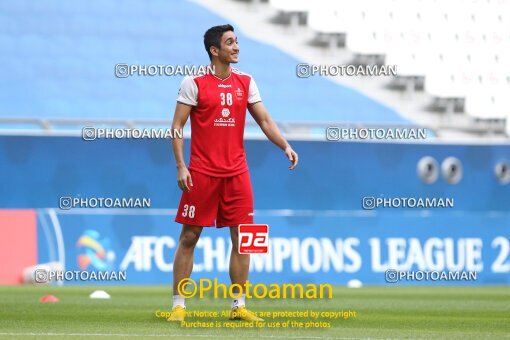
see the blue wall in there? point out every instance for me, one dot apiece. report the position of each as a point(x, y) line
point(36, 171)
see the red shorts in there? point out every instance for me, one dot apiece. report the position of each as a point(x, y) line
point(217, 201)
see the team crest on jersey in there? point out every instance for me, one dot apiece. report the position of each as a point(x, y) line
point(239, 93)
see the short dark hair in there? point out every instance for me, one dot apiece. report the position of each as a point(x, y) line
point(212, 37)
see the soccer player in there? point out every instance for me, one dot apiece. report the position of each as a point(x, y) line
point(216, 186)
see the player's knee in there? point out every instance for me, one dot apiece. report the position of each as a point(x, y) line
point(189, 240)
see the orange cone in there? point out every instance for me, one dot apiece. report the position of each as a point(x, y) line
point(49, 298)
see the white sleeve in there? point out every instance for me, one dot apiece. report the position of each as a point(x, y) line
point(188, 92)
point(253, 93)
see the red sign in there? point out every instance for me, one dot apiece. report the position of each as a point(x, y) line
point(253, 238)
point(18, 243)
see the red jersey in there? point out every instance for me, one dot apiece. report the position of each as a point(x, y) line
point(217, 121)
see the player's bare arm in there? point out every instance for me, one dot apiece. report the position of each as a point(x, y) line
point(182, 112)
point(270, 129)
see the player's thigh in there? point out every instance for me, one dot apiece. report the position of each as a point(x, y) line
point(199, 206)
point(236, 202)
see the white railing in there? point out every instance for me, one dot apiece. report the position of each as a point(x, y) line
point(73, 127)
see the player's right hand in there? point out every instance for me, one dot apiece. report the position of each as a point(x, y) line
point(184, 180)
point(292, 156)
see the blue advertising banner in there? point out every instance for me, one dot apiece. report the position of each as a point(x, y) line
point(302, 249)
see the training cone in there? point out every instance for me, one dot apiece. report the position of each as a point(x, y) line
point(99, 294)
point(354, 284)
point(49, 298)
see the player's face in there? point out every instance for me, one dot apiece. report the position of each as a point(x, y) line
point(229, 51)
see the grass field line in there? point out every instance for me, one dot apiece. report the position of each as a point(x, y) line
point(169, 335)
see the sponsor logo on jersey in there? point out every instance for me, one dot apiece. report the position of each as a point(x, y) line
point(225, 112)
point(224, 120)
point(224, 85)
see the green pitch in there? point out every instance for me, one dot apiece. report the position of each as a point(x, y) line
point(381, 312)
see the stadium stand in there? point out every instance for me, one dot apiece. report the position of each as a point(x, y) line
point(60, 64)
point(457, 48)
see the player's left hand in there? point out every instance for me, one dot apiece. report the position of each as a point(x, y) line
point(292, 156)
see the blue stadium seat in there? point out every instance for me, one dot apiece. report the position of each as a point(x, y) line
point(60, 60)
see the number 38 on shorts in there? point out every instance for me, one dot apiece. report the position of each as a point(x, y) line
point(188, 211)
